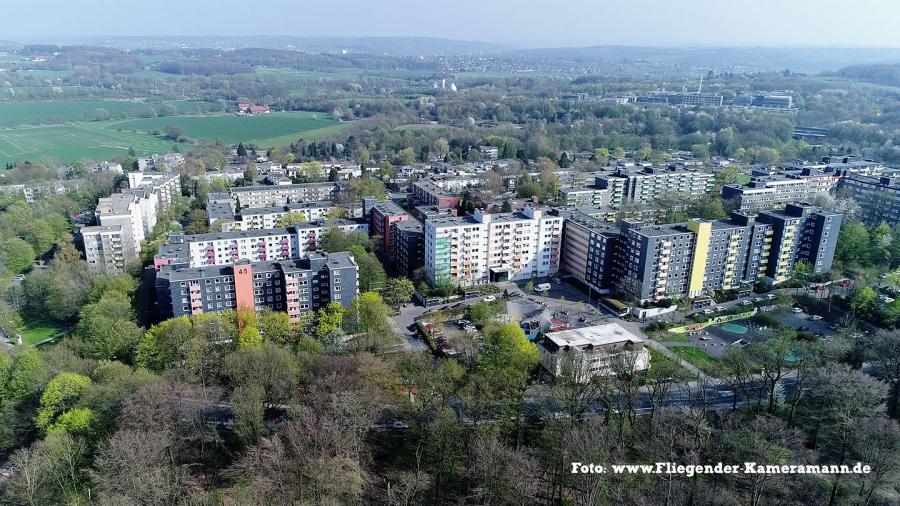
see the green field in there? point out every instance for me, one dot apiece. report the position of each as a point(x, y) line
point(20, 113)
point(98, 140)
point(267, 130)
point(704, 361)
point(68, 143)
point(36, 332)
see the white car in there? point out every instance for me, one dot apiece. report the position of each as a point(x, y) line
point(543, 287)
point(720, 308)
point(490, 298)
point(770, 296)
point(797, 310)
point(708, 311)
point(815, 317)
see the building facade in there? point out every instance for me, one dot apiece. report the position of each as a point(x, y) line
point(296, 287)
point(408, 238)
point(651, 184)
point(485, 248)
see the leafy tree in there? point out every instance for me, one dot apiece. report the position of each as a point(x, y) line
point(886, 359)
point(107, 329)
point(406, 156)
point(371, 272)
point(397, 291)
point(59, 397)
point(275, 326)
point(269, 367)
point(197, 222)
point(165, 344)
point(328, 319)
point(17, 255)
point(290, 219)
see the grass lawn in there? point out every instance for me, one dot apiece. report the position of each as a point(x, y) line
point(23, 113)
point(668, 337)
point(38, 331)
point(267, 130)
point(704, 361)
point(657, 358)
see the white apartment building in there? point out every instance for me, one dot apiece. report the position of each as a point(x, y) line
point(124, 210)
point(280, 195)
point(103, 248)
point(226, 248)
point(486, 248)
point(649, 184)
point(268, 217)
point(166, 186)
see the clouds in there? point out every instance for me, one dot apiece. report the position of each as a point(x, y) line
point(531, 23)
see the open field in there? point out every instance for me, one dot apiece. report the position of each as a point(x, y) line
point(268, 130)
point(38, 331)
point(56, 111)
point(68, 143)
point(98, 140)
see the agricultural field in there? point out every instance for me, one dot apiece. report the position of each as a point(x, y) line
point(268, 130)
point(98, 140)
point(69, 143)
point(60, 111)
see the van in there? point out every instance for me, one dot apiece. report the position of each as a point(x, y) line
point(543, 287)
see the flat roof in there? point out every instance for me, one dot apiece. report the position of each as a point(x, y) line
point(597, 335)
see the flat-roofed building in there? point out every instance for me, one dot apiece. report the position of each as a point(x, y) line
point(600, 350)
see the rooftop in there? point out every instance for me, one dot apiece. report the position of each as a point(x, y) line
point(598, 335)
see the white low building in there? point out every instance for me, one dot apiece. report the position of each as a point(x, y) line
point(601, 350)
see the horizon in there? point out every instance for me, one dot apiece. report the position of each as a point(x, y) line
point(525, 23)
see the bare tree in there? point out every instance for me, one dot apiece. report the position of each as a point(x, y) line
point(504, 476)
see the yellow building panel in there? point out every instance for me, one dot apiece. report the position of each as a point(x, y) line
point(703, 233)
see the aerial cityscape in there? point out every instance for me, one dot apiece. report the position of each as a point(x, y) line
point(362, 254)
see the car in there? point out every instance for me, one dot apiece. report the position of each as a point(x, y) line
point(770, 296)
point(720, 308)
point(803, 328)
point(726, 393)
point(543, 287)
point(582, 319)
point(797, 310)
point(833, 326)
point(708, 311)
point(740, 343)
point(705, 338)
point(489, 298)
point(19, 277)
point(400, 425)
point(747, 303)
point(757, 300)
point(815, 317)
point(412, 327)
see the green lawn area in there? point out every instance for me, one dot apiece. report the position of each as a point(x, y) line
point(696, 356)
point(657, 359)
point(267, 130)
point(68, 143)
point(668, 337)
point(36, 332)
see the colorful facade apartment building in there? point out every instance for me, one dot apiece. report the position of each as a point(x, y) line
point(382, 216)
point(296, 287)
point(654, 262)
point(489, 248)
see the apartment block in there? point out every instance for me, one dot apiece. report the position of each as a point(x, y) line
point(261, 218)
point(126, 211)
point(382, 216)
point(408, 237)
point(296, 287)
point(489, 248)
point(223, 248)
point(103, 248)
point(649, 184)
point(166, 186)
point(648, 263)
point(766, 192)
point(584, 196)
point(281, 195)
point(427, 193)
point(878, 197)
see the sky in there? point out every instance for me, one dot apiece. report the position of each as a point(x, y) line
point(525, 23)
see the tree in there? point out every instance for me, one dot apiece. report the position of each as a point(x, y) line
point(406, 156)
point(290, 219)
point(197, 222)
point(886, 359)
point(371, 272)
point(440, 148)
point(27, 375)
point(270, 368)
point(368, 317)
point(58, 398)
point(17, 255)
point(275, 326)
point(504, 475)
point(107, 329)
point(136, 467)
point(165, 344)
point(241, 150)
point(362, 154)
point(329, 319)
point(397, 291)
point(728, 175)
point(862, 300)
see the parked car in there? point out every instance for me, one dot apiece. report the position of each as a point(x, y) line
point(400, 425)
point(747, 303)
point(770, 296)
point(833, 326)
point(489, 298)
point(708, 311)
point(797, 310)
point(757, 300)
point(720, 308)
point(815, 317)
point(543, 287)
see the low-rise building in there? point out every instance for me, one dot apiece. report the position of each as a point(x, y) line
point(600, 350)
point(429, 194)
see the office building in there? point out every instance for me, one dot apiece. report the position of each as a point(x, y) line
point(489, 248)
point(296, 287)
